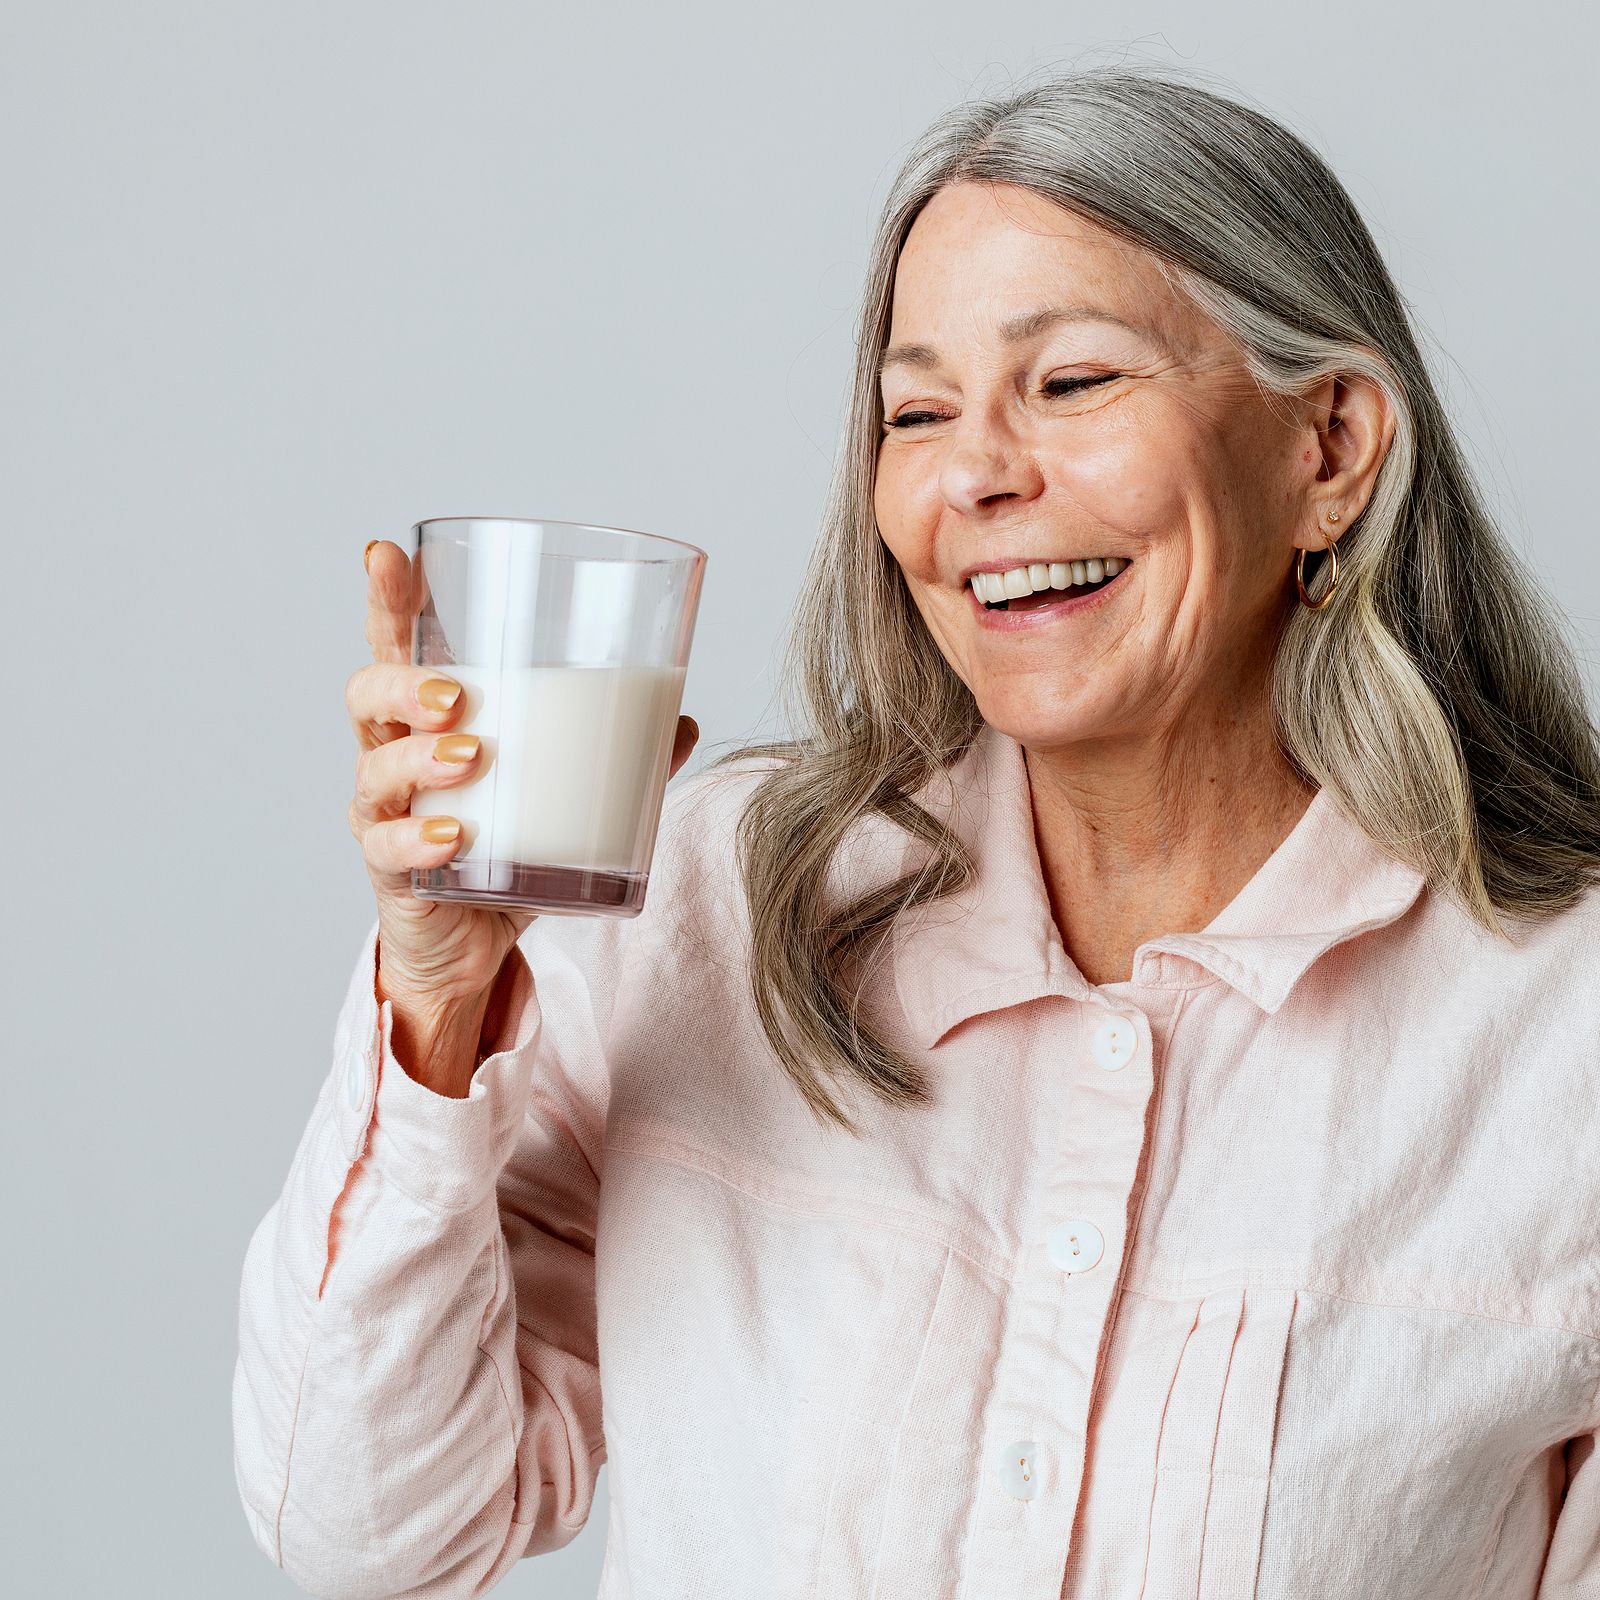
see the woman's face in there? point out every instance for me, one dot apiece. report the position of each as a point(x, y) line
point(1112, 418)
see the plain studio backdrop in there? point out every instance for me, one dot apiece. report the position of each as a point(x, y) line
point(280, 278)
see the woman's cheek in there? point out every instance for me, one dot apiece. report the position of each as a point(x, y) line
point(903, 521)
point(1125, 485)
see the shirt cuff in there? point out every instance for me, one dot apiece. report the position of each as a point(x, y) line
point(446, 1153)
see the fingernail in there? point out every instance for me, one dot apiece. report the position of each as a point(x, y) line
point(694, 728)
point(440, 830)
point(438, 694)
point(366, 555)
point(456, 747)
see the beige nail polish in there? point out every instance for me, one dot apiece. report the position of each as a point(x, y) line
point(438, 694)
point(440, 830)
point(456, 747)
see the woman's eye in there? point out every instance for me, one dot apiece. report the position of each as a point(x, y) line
point(1072, 385)
point(1055, 388)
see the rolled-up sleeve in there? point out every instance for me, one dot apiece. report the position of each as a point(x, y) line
point(416, 1399)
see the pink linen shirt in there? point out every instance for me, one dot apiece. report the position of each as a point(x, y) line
point(1273, 1271)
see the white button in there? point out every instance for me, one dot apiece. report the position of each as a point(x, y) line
point(1076, 1245)
point(1114, 1042)
point(355, 1081)
point(1018, 1469)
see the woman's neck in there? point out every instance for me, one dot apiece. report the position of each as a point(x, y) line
point(1143, 839)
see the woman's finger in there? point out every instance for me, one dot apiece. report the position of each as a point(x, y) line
point(393, 848)
point(385, 700)
point(389, 774)
point(683, 743)
point(391, 601)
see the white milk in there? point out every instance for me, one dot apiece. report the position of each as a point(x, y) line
point(570, 764)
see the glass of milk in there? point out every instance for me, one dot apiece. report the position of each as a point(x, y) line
point(570, 642)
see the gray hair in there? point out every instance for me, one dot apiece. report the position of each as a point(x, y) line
point(1436, 697)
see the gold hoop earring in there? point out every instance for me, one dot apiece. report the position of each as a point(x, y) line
point(1333, 574)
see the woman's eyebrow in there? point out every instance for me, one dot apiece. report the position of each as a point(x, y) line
point(1027, 325)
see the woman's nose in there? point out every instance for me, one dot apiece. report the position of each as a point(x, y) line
point(986, 463)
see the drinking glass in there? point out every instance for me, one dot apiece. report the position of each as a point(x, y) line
point(571, 642)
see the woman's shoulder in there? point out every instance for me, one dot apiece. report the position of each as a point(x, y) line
point(701, 810)
point(1548, 963)
point(718, 791)
point(697, 846)
point(1564, 939)
point(694, 866)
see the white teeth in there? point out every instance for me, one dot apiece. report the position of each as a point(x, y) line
point(1013, 584)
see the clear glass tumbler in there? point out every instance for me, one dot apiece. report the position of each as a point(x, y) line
point(571, 642)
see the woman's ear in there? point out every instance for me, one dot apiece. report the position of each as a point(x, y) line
point(1351, 426)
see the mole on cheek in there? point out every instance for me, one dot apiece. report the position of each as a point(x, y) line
point(1308, 455)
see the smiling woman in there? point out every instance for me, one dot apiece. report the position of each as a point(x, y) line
point(1128, 357)
point(1116, 315)
point(1125, 423)
point(1218, 1220)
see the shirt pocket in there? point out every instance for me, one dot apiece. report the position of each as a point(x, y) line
point(879, 1454)
point(1214, 1451)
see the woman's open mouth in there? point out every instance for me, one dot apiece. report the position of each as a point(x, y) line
point(1043, 591)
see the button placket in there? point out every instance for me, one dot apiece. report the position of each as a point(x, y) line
point(1077, 1244)
point(1057, 1326)
point(1102, 1160)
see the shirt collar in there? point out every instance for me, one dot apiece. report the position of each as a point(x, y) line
point(994, 943)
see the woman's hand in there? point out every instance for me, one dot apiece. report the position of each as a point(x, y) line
point(437, 958)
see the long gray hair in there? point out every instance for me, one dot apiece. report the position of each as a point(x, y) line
point(1435, 697)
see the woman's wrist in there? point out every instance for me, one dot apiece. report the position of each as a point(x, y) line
point(439, 1048)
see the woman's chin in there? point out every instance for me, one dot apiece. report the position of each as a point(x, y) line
point(1044, 726)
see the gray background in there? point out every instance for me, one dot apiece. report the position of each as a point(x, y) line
point(279, 278)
